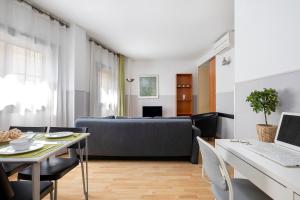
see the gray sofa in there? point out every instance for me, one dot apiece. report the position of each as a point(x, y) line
point(141, 137)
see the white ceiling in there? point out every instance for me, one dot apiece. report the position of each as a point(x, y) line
point(149, 29)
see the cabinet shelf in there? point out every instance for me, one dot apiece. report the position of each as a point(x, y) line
point(188, 86)
point(184, 94)
point(186, 100)
point(184, 87)
point(184, 114)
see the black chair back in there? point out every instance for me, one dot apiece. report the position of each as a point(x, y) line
point(71, 129)
point(5, 187)
point(28, 128)
point(207, 123)
point(11, 168)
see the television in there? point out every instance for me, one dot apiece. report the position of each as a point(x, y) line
point(152, 111)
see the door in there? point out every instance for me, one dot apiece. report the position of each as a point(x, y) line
point(212, 85)
point(207, 87)
point(203, 88)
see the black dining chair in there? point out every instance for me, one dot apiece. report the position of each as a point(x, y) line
point(12, 168)
point(21, 190)
point(35, 129)
point(55, 168)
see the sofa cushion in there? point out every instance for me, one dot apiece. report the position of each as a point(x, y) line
point(174, 117)
point(138, 137)
point(126, 117)
point(105, 117)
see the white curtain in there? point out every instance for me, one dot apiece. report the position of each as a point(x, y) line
point(33, 59)
point(103, 81)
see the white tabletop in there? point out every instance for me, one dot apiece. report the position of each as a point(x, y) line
point(286, 176)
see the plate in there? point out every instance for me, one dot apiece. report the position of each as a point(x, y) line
point(58, 134)
point(11, 151)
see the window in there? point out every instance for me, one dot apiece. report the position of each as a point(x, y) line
point(103, 82)
point(107, 94)
point(22, 82)
point(34, 68)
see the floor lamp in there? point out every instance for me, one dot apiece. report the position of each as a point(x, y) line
point(129, 80)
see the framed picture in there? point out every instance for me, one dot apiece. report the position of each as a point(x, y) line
point(148, 86)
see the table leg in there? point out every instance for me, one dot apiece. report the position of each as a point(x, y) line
point(82, 169)
point(86, 168)
point(36, 181)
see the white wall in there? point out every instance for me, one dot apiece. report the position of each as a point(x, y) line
point(166, 71)
point(225, 82)
point(267, 38)
point(225, 73)
point(225, 93)
point(267, 43)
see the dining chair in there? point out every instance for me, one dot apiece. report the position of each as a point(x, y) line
point(55, 168)
point(41, 129)
point(12, 168)
point(223, 187)
point(21, 190)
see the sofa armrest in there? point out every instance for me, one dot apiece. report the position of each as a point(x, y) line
point(195, 147)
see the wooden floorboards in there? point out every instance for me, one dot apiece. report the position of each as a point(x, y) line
point(133, 180)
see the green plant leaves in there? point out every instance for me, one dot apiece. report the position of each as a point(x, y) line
point(264, 101)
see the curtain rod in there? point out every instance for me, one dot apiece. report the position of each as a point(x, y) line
point(99, 44)
point(62, 22)
point(42, 11)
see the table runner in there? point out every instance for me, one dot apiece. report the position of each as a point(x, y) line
point(34, 154)
point(48, 147)
point(67, 139)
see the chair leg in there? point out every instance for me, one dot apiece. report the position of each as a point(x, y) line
point(86, 168)
point(82, 173)
point(55, 189)
point(51, 195)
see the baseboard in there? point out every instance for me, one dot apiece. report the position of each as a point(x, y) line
point(140, 158)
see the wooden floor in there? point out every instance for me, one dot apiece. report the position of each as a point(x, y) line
point(132, 180)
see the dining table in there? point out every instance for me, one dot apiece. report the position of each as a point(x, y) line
point(48, 147)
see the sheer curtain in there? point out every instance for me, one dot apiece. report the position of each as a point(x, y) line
point(121, 86)
point(103, 82)
point(33, 57)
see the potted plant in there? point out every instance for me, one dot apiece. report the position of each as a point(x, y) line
point(264, 101)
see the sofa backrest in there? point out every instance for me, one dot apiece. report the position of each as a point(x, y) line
point(138, 137)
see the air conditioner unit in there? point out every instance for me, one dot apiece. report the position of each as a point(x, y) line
point(224, 43)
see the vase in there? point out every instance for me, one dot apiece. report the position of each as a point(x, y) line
point(266, 133)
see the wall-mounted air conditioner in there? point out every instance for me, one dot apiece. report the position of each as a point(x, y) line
point(224, 43)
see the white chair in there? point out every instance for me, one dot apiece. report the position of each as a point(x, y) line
point(223, 187)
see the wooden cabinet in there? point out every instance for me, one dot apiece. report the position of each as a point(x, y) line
point(184, 94)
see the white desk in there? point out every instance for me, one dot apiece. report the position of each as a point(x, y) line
point(275, 180)
point(36, 161)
